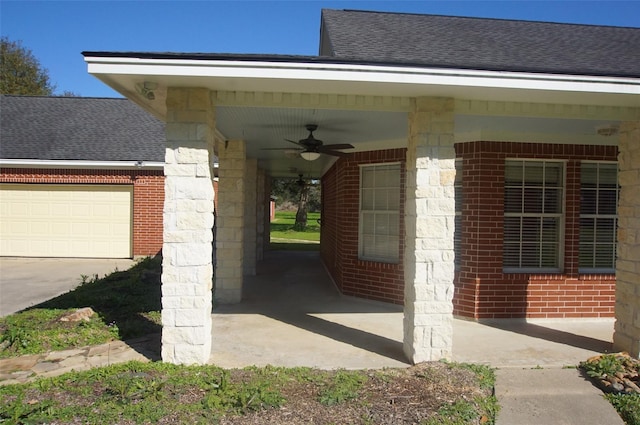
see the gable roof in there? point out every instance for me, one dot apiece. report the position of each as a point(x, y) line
point(480, 43)
point(78, 128)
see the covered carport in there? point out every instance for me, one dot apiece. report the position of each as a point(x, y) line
point(236, 106)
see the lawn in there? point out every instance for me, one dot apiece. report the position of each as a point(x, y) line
point(143, 393)
point(282, 228)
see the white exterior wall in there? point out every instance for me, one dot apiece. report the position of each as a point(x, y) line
point(429, 222)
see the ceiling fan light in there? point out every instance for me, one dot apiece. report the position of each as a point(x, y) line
point(310, 156)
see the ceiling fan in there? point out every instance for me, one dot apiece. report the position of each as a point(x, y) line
point(312, 147)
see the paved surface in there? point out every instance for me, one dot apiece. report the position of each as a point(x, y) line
point(292, 315)
point(25, 282)
point(550, 396)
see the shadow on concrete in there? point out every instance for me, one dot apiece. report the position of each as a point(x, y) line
point(294, 288)
point(551, 334)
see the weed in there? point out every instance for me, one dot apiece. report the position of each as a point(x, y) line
point(344, 386)
point(605, 365)
point(460, 412)
point(627, 405)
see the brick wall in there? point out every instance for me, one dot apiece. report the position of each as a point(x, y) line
point(339, 231)
point(148, 196)
point(482, 290)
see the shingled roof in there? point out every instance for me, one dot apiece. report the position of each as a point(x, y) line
point(481, 44)
point(78, 128)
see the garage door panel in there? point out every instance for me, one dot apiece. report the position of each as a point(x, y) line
point(65, 220)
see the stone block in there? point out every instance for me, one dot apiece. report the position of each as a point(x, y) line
point(191, 354)
point(194, 221)
point(193, 254)
point(191, 317)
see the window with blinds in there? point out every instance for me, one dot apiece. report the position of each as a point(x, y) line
point(598, 217)
point(379, 231)
point(533, 216)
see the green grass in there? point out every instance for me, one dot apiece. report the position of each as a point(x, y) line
point(142, 393)
point(282, 228)
point(127, 305)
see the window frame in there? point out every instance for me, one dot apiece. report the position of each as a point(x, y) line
point(362, 212)
point(599, 270)
point(561, 219)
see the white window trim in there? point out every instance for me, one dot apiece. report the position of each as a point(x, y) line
point(598, 270)
point(561, 224)
point(360, 217)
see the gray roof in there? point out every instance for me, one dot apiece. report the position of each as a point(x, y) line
point(480, 43)
point(78, 128)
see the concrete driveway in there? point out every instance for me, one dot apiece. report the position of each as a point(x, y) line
point(25, 282)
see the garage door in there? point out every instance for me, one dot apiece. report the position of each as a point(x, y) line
point(65, 220)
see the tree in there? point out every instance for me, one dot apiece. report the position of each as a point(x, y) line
point(21, 72)
point(300, 194)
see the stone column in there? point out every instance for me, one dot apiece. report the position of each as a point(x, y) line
point(188, 220)
point(261, 209)
point(250, 208)
point(429, 222)
point(230, 225)
point(627, 329)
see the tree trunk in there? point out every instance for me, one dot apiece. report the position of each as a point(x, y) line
point(301, 214)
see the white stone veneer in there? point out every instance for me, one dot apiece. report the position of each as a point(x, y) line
point(188, 221)
point(429, 222)
point(627, 329)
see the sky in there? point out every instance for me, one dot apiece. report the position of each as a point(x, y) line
point(57, 32)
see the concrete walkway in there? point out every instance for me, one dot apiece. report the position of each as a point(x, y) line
point(292, 315)
point(25, 282)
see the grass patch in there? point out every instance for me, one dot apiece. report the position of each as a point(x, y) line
point(139, 393)
point(127, 305)
point(282, 230)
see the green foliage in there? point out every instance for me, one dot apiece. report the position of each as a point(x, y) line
point(20, 71)
point(461, 412)
point(485, 374)
point(343, 387)
point(605, 365)
point(127, 304)
point(287, 193)
point(627, 405)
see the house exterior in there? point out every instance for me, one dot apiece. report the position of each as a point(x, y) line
point(494, 173)
point(80, 177)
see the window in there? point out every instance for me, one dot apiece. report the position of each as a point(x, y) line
point(379, 234)
point(533, 216)
point(598, 217)
point(457, 233)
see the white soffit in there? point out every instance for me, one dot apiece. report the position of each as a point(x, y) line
point(121, 73)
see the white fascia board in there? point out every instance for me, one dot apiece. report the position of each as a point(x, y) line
point(96, 165)
point(361, 73)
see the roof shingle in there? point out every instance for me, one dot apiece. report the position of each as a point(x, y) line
point(78, 128)
point(479, 43)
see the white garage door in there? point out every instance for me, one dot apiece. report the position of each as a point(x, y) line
point(65, 220)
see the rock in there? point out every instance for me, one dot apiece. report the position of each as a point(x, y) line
point(78, 315)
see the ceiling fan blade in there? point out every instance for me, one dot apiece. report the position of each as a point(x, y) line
point(281, 149)
point(331, 152)
point(338, 146)
point(294, 142)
